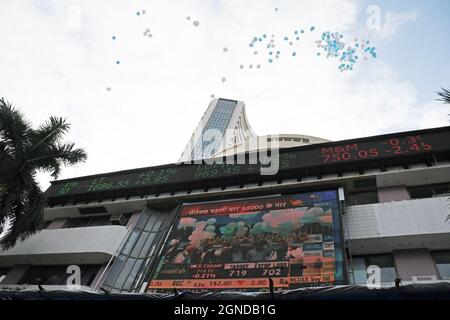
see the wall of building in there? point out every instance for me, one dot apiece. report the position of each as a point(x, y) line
point(89, 245)
point(411, 263)
point(397, 193)
point(398, 218)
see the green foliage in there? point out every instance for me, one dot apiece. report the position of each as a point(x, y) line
point(444, 95)
point(23, 152)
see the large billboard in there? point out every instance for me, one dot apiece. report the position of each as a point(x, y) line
point(296, 240)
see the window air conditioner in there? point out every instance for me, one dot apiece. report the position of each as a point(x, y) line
point(118, 219)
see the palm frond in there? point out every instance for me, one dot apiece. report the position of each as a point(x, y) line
point(58, 154)
point(50, 132)
point(26, 215)
point(444, 95)
point(14, 127)
point(23, 151)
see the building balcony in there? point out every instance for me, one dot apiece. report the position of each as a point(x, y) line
point(88, 245)
point(397, 225)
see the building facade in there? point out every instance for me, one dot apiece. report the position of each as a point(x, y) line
point(386, 202)
point(224, 124)
point(281, 141)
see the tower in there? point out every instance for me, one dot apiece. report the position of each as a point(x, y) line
point(224, 124)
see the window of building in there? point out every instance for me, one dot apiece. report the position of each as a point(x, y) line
point(218, 121)
point(420, 192)
point(57, 275)
point(443, 188)
point(442, 260)
point(362, 198)
point(358, 268)
point(3, 273)
point(386, 264)
point(428, 191)
point(365, 183)
point(88, 222)
point(359, 273)
point(45, 225)
point(139, 250)
point(92, 221)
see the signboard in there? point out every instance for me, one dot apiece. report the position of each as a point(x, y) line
point(324, 154)
point(238, 245)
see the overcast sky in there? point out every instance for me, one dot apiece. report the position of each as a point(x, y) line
point(60, 58)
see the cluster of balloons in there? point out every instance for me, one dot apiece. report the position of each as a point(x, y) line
point(195, 22)
point(270, 43)
point(331, 43)
point(138, 13)
point(333, 46)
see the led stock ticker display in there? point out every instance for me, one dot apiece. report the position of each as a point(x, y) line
point(362, 151)
point(312, 156)
point(238, 245)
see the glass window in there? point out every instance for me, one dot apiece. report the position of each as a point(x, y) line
point(421, 192)
point(99, 221)
point(45, 225)
point(386, 264)
point(124, 273)
point(359, 266)
point(442, 188)
point(219, 119)
point(88, 274)
point(145, 250)
point(88, 222)
point(442, 260)
point(429, 191)
point(363, 198)
point(151, 221)
point(359, 271)
point(115, 270)
point(139, 244)
point(57, 275)
point(130, 279)
point(130, 242)
point(158, 223)
point(3, 273)
point(142, 221)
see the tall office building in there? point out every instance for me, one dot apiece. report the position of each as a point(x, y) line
point(224, 124)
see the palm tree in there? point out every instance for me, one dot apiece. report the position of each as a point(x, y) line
point(23, 152)
point(444, 95)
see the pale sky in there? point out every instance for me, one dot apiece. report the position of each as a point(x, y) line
point(59, 58)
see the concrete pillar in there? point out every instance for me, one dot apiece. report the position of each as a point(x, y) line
point(414, 262)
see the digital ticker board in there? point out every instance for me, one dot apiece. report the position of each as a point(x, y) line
point(320, 155)
point(296, 240)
